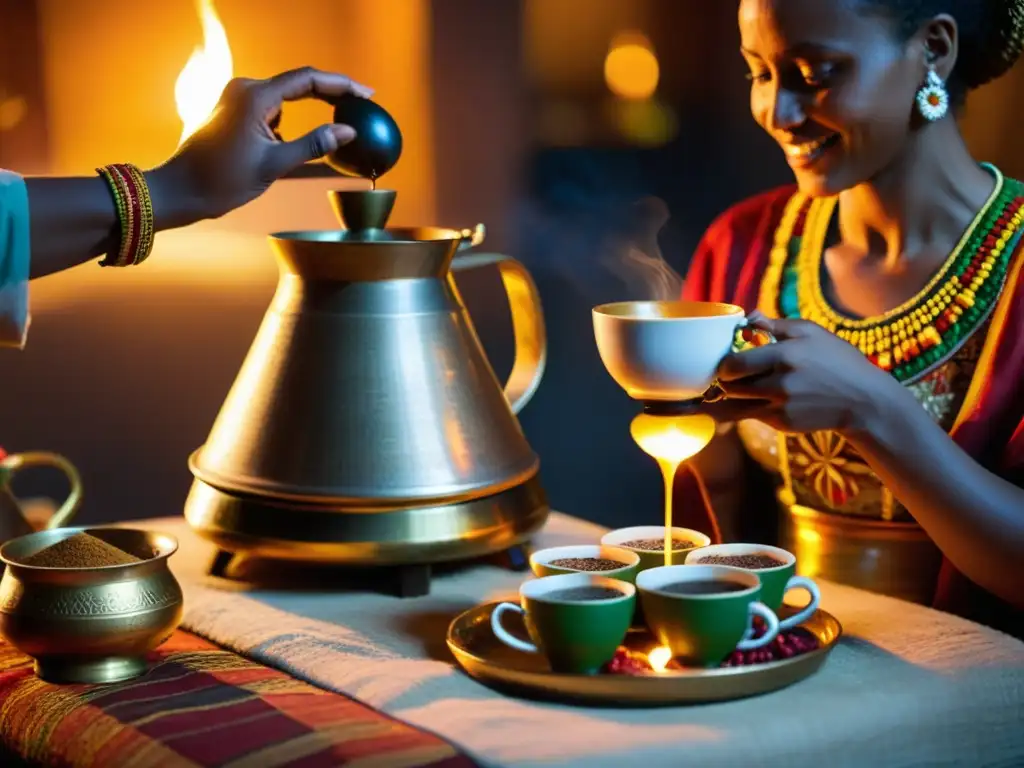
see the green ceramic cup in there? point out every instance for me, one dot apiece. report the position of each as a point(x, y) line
point(775, 581)
point(542, 561)
point(703, 629)
point(577, 636)
point(654, 558)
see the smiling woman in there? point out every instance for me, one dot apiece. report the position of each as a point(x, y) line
point(889, 412)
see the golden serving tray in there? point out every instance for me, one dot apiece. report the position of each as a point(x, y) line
point(494, 664)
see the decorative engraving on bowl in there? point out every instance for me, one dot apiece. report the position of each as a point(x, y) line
point(119, 600)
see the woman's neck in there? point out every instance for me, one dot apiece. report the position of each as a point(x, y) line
point(918, 206)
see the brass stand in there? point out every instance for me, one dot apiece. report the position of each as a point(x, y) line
point(408, 580)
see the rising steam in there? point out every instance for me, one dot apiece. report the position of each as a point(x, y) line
point(635, 256)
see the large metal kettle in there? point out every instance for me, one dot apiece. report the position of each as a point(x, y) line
point(366, 425)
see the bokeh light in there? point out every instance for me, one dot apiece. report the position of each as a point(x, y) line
point(631, 68)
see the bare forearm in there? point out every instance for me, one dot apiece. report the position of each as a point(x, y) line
point(74, 220)
point(975, 517)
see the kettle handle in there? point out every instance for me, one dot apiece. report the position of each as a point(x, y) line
point(527, 324)
point(15, 462)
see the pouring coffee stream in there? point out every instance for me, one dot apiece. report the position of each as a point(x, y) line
point(671, 440)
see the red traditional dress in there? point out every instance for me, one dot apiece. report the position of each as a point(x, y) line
point(960, 350)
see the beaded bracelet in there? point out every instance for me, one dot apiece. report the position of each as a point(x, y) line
point(134, 212)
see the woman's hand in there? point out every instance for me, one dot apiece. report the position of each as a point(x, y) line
point(237, 154)
point(809, 380)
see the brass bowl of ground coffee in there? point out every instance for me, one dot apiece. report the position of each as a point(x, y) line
point(88, 604)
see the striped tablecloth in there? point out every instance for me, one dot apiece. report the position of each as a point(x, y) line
point(201, 706)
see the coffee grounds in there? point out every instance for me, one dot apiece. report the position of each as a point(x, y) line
point(587, 563)
point(80, 551)
point(656, 545)
point(751, 562)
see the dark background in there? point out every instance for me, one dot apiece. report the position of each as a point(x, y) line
point(124, 374)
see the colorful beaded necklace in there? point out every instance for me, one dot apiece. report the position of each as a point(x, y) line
point(914, 337)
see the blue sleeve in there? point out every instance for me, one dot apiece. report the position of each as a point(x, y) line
point(15, 256)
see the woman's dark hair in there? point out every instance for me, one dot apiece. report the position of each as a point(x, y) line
point(991, 34)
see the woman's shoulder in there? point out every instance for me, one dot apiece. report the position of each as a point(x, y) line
point(735, 248)
point(753, 215)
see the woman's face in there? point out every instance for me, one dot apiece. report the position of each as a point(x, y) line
point(832, 85)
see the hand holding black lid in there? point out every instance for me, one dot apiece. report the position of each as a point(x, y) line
point(377, 144)
point(228, 162)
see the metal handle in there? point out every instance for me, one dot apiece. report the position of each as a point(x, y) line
point(527, 324)
point(19, 461)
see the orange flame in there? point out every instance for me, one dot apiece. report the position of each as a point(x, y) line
point(659, 658)
point(204, 76)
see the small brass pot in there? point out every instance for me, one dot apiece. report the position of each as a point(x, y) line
point(90, 625)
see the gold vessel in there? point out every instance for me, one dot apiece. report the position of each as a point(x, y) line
point(366, 425)
point(890, 558)
point(90, 625)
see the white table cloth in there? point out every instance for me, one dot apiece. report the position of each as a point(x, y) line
point(907, 686)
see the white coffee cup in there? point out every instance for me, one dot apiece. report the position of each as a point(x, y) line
point(666, 350)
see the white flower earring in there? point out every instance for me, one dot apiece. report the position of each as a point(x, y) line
point(933, 98)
